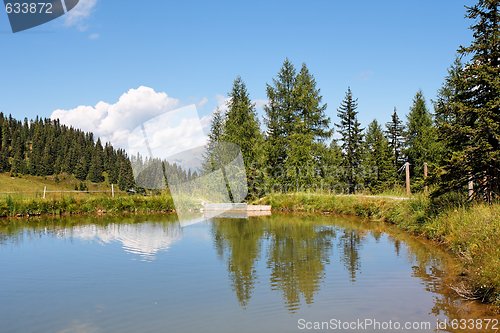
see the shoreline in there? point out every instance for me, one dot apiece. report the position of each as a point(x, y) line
point(470, 234)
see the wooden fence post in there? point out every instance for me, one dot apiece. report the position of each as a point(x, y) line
point(426, 188)
point(471, 188)
point(112, 191)
point(407, 167)
point(44, 191)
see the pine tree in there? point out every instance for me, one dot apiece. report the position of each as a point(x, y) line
point(241, 127)
point(5, 136)
point(377, 159)
point(310, 129)
point(111, 164)
point(97, 164)
point(351, 137)
point(36, 153)
point(468, 110)
point(296, 129)
point(395, 132)
point(279, 121)
point(309, 115)
point(210, 160)
point(17, 166)
point(331, 162)
point(421, 139)
point(81, 171)
point(126, 176)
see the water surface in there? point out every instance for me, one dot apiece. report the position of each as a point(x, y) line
point(263, 274)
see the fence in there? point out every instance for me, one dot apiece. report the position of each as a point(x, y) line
point(58, 194)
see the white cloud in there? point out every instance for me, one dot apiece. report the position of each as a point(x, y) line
point(168, 134)
point(259, 103)
point(77, 16)
point(222, 102)
point(94, 36)
point(145, 240)
point(202, 102)
point(114, 122)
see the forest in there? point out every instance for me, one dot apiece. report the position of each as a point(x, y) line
point(456, 136)
point(44, 147)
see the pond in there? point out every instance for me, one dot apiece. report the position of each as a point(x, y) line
point(280, 273)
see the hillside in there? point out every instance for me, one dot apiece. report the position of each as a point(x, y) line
point(45, 147)
point(57, 186)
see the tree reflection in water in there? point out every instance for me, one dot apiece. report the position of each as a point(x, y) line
point(296, 252)
point(242, 241)
point(297, 255)
point(349, 244)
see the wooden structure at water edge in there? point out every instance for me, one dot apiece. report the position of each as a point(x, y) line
point(235, 207)
point(240, 210)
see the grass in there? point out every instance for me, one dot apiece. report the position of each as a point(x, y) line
point(472, 233)
point(23, 196)
point(364, 206)
point(28, 185)
point(10, 207)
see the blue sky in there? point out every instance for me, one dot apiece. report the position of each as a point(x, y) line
point(192, 50)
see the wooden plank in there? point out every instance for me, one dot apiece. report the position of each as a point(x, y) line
point(235, 207)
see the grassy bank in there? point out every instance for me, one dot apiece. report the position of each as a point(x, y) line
point(32, 186)
point(472, 234)
point(11, 207)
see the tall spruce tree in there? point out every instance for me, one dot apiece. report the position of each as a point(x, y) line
point(468, 110)
point(126, 175)
point(350, 131)
point(309, 115)
point(210, 159)
point(279, 120)
point(96, 168)
point(241, 127)
point(421, 139)
point(377, 161)
point(296, 129)
point(395, 132)
point(81, 170)
point(310, 129)
point(331, 173)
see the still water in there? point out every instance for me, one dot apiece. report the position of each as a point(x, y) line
point(262, 274)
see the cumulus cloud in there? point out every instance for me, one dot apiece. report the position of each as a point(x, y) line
point(115, 122)
point(259, 103)
point(202, 102)
point(222, 102)
point(78, 15)
point(168, 134)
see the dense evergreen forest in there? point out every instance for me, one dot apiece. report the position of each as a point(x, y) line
point(299, 151)
point(43, 147)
